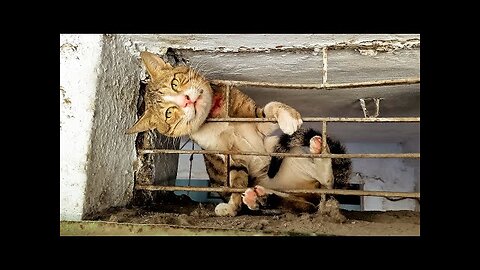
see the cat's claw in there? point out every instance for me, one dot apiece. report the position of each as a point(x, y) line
point(289, 121)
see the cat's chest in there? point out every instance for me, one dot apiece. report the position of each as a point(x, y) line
point(211, 136)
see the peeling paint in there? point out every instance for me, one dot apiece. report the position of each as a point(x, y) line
point(361, 178)
point(68, 47)
point(267, 43)
point(368, 52)
point(373, 47)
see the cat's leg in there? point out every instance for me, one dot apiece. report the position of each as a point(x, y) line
point(326, 182)
point(322, 169)
point(216, 168)
point(238, 179)
point(289, 119)
point(258, 196)
point(327, 207)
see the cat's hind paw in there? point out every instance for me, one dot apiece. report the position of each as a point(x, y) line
point(225, 209)
point(316, 145)
point(331, 209)
point(254, 197)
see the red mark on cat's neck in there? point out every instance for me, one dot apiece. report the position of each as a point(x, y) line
point(217, 103)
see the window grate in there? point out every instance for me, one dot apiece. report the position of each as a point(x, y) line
point(321, 86)
point(313, 191)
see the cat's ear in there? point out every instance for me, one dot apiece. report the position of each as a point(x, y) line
point(146, 122)
point(154, 64)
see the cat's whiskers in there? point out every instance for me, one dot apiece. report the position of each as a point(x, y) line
point(201, 68)
point(198, 66)
point(172, 130)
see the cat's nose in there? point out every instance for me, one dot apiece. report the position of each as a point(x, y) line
point(188, 101)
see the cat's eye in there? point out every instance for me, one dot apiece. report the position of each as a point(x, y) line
point(175, 84)
point(169, 112)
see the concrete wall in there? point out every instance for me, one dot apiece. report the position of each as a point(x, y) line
point(98, 95)
point(269, 42)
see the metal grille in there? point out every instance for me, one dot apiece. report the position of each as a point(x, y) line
point(324, 86)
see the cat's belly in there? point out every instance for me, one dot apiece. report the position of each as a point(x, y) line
point(290, 177)
point(301, 173)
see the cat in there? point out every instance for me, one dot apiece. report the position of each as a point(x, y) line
point(178, 101)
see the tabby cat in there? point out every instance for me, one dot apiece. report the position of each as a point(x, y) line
point(179, 99)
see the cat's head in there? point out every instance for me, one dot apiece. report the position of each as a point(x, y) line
point(177, 99)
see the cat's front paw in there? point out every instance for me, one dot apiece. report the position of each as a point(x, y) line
point(289, 120)
point(225, 209)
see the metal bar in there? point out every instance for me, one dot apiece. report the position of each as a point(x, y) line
point(227, 103)
point(181, 147)
point(227, 183)
point(324, 136)
point(298, 191)
point(321, 119)
point(173, 151)
point(324, 66)
point(318, 86)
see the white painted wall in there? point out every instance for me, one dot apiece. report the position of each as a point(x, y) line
point(80, 56)
point(382, 174)
point(98, 95)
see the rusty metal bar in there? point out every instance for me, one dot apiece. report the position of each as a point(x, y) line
point(324, 136)
point(324, 66)
point(173, 151)
point(321, 119)
point(228, 183)
point(227, 103)
point(326, 86)
point(298, 191)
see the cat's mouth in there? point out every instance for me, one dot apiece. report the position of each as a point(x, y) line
point(199, 106)
point(197, 103)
